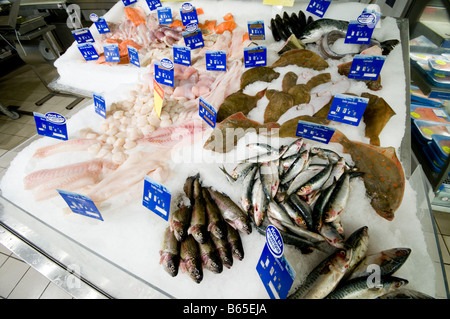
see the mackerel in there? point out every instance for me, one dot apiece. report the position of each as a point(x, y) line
point(170, 252)
point(362, 289)
point(389, 261)
point(358, 244)
point(405, 293)
point(324, 278)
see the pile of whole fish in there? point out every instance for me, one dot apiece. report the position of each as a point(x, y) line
point(204, 233)
point(349, 273)
point(301, 190)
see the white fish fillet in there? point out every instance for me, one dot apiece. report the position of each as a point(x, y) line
point(75, 145)
point(71, 183)
point(96, 166)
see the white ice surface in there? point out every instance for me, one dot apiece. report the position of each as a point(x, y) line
point(130, 235)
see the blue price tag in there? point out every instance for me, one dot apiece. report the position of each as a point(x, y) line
point(360, 31)
point(156, 198)
point(164, 72)
point(256, 30)
point(347, 109)
point(188, 14)
point(102, 26)
point(315, 132)
point(83, 36)
point(128, 2)
point(88, 51)
point(133, 55)
point(111, 51)
point(207, 112)
point(193, 37)
point(80, 204)
point(164, 15)
point(51, 125)
point(100, 105)
point(181, 55)
point(318, 7)
point(255, 56)
point(216, 60)
point(366, 67)
point(153, 4)
point(273, 268)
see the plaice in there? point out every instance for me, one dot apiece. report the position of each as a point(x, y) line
point(383, 177)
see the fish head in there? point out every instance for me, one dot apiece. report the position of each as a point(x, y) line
point(243, 225)
point(304, 190)
point(171, 265)
point(341, 260)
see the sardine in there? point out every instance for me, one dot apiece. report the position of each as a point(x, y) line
point(198, 226)
point(293, 212)
point(224, 250)
point(234, 240)
point(301, 179)
point(231, 212)
point(362, 289)
point(332, 235)
point(276, 212)
point(170, 253)
point(210, 256)
point(242, 169)
point(259, 202)
point(190, 258)
point(216, 224)
point(180, 221)
point(320, 206)
point(358, 244)
point(296, 167)
point(268, 156)
point(332, 156)
point(247, 187)
point(285, 163)
point(316, 182)
point(338, 199)
point(324, 278)
point(303, 209)
point(270, 180)
point(336, 173)
point(389, 262)
point(405, 293)
point(293, 148)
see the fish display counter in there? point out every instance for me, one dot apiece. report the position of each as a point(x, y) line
point(179, 176)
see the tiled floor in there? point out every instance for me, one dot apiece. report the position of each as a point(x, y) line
point(23, 88)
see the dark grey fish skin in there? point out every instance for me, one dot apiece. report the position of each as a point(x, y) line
point(215, 223)
point(198, 228)
point(189, 187)
point(296, 167)
point(231, 212)
point(405, 293)
point(359, 288)
point(234, 240)
point(190, 258)
point(170, 253)
point(180, 221)
point(210, 256)
point(293, 213)
point(389, 262)
point(338, 199)
point(224, 250)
